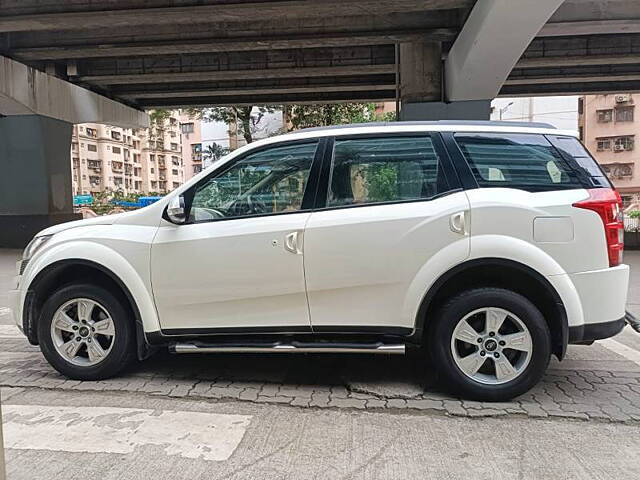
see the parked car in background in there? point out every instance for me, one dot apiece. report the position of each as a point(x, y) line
point(491, 246)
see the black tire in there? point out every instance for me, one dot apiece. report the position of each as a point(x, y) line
point(456, 308)
point(123, 350)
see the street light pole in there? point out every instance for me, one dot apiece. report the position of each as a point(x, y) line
point(504, 109)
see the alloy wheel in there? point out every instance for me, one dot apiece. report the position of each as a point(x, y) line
point(83, 332)
point(491, 346)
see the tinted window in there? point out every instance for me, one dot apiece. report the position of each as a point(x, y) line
point(386, 169)
point(581, 160)
point(525, 161)
point(269, 181)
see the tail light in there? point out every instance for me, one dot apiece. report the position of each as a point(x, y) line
point(607, 203)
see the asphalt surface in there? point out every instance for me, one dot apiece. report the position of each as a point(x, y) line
point(317, 417)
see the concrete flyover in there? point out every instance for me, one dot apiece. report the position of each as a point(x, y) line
point(192, 52)
point(441, 59)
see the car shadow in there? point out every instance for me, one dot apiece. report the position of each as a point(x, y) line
point(357, 371)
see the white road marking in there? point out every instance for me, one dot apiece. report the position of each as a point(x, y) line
point(209, 436)
point(621, 349)
point(10, 331)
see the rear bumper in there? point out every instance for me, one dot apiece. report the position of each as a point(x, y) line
point(603, 298)
point(595, 331)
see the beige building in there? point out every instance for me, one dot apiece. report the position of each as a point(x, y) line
point(105, 158)
point(609, 127)
point(191, 145)
point(148, 161)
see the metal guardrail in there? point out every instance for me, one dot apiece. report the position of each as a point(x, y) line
point(631, 224)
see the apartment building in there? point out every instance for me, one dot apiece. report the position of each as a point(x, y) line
point(191, 145)
point(163, 168)
point(148, 161)
point(105, 158)
point(609, 127)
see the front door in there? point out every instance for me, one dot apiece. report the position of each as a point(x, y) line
point(237, 264)
point(390, 205)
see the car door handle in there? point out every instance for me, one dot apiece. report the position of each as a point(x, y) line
point(458, 223)
point(293, 242)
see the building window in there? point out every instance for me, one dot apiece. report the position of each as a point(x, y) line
point(187, 127)
point(116, 135)
point(176, 184)
point(174, 147)
point(116, 150)
point(624, 143)
point(624, 114)
point(92, 132)
point(604, 144)
point(605, 116)
point(580, 106)
point(92, 148)
point(152, 170)
point(174, 171)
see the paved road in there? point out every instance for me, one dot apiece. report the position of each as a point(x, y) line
point(317, 417)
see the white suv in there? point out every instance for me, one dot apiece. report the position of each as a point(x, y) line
point(491, 245)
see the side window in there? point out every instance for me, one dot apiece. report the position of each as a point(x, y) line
point(526, 161)
point(384, 169)
point(266, 182)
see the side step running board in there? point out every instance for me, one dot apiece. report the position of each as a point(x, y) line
point(292, 347)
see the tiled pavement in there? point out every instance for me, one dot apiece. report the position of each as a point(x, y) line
point(593, 384)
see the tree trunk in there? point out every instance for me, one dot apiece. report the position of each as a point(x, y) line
point(244, 117)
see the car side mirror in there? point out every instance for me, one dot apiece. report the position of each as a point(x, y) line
point(176, 211)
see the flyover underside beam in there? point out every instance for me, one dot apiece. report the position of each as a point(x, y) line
point(187, 16)
point(25, 91)
point(224, 45)
point(494, 37)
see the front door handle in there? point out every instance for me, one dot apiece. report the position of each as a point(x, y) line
point(293, 242)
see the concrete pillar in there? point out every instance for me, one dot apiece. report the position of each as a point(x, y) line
point(35, 176)
point(422, 89)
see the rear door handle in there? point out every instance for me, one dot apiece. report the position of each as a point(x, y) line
point(293, 242)
point(458, 223)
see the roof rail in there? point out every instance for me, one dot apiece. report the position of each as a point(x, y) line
point(479, 123)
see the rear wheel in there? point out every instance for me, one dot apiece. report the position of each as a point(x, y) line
point(86, 333)
point(490, 344)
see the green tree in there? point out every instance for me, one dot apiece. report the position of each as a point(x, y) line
point(322, 115)
point(214, 152)
point(247, 117)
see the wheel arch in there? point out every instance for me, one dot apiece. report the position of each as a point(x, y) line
point(64, 272)
point(499, 272)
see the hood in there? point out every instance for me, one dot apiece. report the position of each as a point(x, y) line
point(101, 220)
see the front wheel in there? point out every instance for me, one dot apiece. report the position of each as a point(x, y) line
point(490, 344)
point(86, 333)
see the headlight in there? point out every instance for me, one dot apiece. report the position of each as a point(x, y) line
point(34, 246)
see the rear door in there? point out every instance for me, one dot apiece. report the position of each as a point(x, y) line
point(386, 207)
point(528, 185)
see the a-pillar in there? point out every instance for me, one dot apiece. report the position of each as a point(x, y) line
point(35, 176)
point(422, 87)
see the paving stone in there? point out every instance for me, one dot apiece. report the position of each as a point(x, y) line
point(396, 403)
point(425, 404)
point(347, 402)
point(593, 394)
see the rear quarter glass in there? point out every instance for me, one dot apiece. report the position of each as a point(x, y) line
point(523, 161)
point(580, 159)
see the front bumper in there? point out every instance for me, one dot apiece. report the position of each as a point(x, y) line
point(15, 308)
